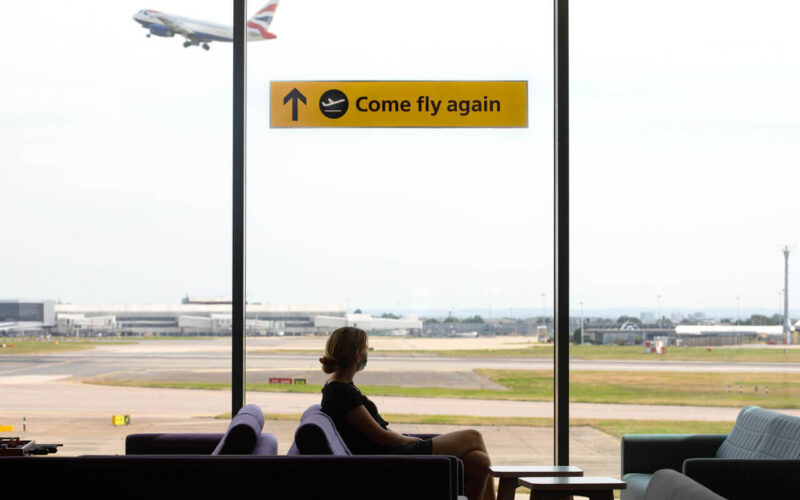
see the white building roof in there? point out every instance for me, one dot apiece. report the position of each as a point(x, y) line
point(189, 309)
point(720, 329)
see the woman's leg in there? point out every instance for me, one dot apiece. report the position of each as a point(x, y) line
point(488, 491)
point(468, 445)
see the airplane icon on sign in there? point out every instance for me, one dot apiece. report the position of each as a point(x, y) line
point(331, 102)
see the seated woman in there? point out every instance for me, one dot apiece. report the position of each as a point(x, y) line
point(366, 433)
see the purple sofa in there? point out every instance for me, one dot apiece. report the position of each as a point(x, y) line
point(243, 437)
point(317, 435)
point(175, 466)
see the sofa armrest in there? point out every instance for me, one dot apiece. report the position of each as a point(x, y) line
point(171, 443)
point(668, 484)
point(647, 453)
point(746, 478)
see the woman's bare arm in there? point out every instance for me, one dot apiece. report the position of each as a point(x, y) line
point(363, 422)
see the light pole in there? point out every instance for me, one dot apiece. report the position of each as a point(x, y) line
point(544, 321)
point(737, 310)
point(659, 309)
point(786, 327)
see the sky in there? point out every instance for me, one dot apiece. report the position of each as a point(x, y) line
point(115, 158)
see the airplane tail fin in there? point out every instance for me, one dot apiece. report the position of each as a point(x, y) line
point(263, 18)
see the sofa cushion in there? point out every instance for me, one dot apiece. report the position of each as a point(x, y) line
point(667, 484)
point(637, 484)
point(317, 435)
point(242, 433)
point(267, 444)
point(760, 433)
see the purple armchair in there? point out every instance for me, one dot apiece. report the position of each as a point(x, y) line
point(317, 435)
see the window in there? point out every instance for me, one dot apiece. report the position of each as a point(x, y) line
point(115, 190)
point(437, 241)
point(683, 132)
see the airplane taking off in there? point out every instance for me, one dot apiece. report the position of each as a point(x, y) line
point(331, 102)
point(203, 32)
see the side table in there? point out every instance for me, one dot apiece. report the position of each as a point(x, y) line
point(558, 488)
point(510, 474)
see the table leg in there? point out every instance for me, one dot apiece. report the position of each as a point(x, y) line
point(549, 495)
point(600, 495)
point(506, 488)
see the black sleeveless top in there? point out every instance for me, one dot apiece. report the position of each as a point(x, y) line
point(339, 398)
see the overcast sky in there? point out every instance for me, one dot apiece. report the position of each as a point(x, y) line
point(115, 154)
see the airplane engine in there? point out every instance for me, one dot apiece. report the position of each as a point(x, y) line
point(159, 30)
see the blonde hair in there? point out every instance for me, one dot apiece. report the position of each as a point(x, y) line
point(342, 349)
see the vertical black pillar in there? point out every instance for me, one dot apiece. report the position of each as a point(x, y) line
point(239, 199)
point(561, 251)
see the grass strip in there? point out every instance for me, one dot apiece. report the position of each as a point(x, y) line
point(619, 387)
point(727, 389)
point(602, 352)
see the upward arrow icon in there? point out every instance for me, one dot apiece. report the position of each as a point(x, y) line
point(294, 96)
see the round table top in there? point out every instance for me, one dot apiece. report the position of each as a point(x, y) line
point(534, 470)
point(572, 483)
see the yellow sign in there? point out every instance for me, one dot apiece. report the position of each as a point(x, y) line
point(399, 104)
point(120, 420)
point(6, 428)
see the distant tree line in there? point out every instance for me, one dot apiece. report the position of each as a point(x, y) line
point(754, 320)
point(452, 319)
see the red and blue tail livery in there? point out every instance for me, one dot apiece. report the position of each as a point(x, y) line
point(202, 33)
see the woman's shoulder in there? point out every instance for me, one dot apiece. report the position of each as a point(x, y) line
point(335, 387)
point(338, 397)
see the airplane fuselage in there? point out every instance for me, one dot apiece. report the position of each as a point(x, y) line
point(201, 31)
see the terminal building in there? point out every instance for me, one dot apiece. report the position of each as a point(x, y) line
point(728, 334)
point(191, 317)
point(21, 316)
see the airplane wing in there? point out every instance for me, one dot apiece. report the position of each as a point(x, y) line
point(176, 28)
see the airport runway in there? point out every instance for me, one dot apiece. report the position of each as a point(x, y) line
point(53, 397)
point(47, 390)
point(96, 363)
point(50, 383)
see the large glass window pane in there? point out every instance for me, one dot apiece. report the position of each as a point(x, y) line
point(684, 125)
point(438, 241)
point(115, 200)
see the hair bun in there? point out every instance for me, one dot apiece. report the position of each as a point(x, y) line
point(329, 365)
point(327, 361)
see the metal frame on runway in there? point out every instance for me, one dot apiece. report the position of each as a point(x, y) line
point(561, 219)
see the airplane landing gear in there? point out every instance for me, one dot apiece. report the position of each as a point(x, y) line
point(205, 46)
point(186, 44)
point(148, 35)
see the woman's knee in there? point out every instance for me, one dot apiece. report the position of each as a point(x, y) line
point(458, 443)
point(475, 438)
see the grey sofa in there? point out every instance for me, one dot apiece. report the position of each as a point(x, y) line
point(758, 459)
point(668, 484)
